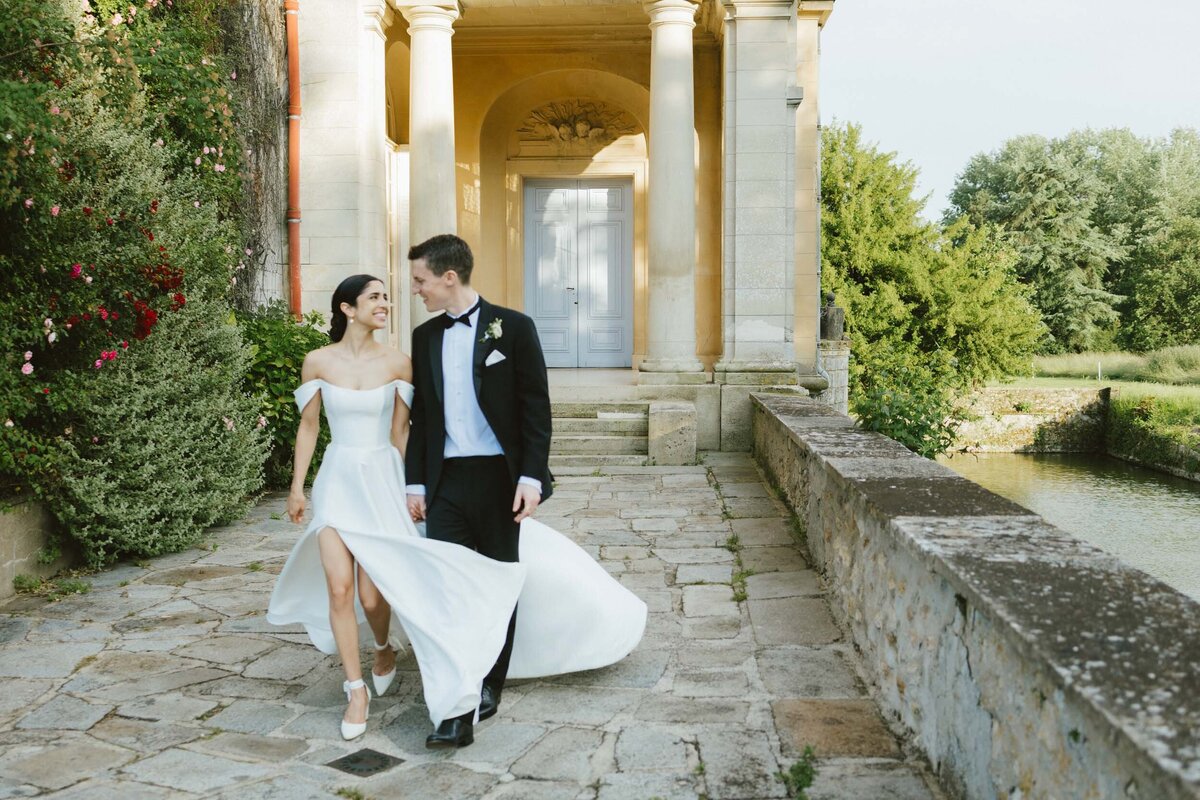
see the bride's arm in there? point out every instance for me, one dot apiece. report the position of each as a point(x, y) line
point(306, 444)
point(400, 415)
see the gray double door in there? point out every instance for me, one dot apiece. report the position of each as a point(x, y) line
point(579, 270)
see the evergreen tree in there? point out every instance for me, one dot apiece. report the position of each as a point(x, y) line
point(930, 311)
point(1042, 196)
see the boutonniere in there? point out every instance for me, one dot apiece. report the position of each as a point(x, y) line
point(494, 331)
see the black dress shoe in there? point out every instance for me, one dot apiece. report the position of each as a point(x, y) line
point(489, 701)
point(454, 732)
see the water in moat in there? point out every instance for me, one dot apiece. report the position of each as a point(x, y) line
point(1148, 519)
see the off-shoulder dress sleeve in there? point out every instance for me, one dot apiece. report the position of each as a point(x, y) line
point(406, 391)
point(305, 392)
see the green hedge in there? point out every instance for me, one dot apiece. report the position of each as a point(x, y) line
point(121, 399)
point(1155, 431)
point(279, 343)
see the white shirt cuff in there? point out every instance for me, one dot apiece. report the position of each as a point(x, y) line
point(534, 482)
point(415, 488)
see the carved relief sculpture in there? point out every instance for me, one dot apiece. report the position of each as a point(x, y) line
point(575, 127)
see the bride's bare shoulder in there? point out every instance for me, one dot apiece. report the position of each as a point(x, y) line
point(315, 362)
point(400, 364)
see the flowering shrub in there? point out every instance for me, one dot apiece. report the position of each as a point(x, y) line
point(163, 443)
point(279, 343)
point(118, 180)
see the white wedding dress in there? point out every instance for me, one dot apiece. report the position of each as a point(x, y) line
point(453, 603)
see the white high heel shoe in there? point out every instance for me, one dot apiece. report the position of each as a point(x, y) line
point(384, 682)
point(352, 730)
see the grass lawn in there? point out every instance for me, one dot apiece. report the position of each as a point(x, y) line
point(1125, 389)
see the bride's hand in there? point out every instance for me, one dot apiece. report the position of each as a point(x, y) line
point(295, 506)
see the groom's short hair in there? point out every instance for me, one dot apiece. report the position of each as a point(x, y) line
point(443, 253)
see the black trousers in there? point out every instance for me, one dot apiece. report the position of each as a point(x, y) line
point(473, 508)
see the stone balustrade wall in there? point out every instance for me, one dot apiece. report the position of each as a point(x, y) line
point(1023, 662)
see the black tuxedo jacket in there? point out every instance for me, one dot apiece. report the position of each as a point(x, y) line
point(513, 395)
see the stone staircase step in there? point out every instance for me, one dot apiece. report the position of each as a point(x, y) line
point(634, 425)
point(559, 461)
point(592, 444)
point(592, 409)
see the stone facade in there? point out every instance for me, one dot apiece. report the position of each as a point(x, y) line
point(1023, 662)
point(422, 118)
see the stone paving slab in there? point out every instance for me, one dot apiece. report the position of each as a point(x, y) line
point(166, 681)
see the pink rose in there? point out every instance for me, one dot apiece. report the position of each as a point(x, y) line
point(27, 368)
point(29, 202)
point(76, 270)
point(262, 422)
point(98, 364)
point(28, 355)
point(54, 211)
point(51, 336)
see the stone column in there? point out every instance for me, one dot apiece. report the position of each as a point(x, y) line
point(433, 206)
point(759, 106)
point(671, 239)
point(811, 16)
point(343, 140)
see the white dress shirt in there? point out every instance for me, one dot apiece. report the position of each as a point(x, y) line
point(467, 430)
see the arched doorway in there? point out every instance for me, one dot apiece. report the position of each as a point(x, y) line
point(564, 164)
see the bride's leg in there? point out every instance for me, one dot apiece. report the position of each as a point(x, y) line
point(339, 576)
point(379, 617)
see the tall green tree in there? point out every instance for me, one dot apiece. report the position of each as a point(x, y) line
point(1164, 306)
point(1041, 195)
point(1104, 226)
point(930, 310)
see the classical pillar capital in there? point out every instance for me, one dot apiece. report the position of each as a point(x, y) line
point(429, 18)
point(758, 9)
point(377, 15)
point(672, 12)
point(815, 9)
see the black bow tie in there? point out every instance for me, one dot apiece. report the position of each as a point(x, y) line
point(465, 319)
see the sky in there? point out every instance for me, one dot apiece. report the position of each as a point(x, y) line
point(937, 81)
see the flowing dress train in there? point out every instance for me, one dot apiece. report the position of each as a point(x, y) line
point(453, 604)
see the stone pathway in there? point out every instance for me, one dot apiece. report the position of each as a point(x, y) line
point(166, 680)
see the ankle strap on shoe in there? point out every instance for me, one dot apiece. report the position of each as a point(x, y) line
point(384, 646)
point(350, 686)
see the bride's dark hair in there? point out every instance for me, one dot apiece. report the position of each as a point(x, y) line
point(347, 291)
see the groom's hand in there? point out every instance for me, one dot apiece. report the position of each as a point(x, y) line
point(525, 502)
point(416, 506)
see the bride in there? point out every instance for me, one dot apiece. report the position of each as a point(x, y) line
point(453, 604)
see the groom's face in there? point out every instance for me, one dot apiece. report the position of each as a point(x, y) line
point(435, 290)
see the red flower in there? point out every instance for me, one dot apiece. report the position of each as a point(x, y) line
point(46, 390)
point(87, 210)
point(153, 206)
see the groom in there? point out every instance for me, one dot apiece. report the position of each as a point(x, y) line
point(479, 445)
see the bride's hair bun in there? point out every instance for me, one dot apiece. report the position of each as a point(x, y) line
point(348, 292)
